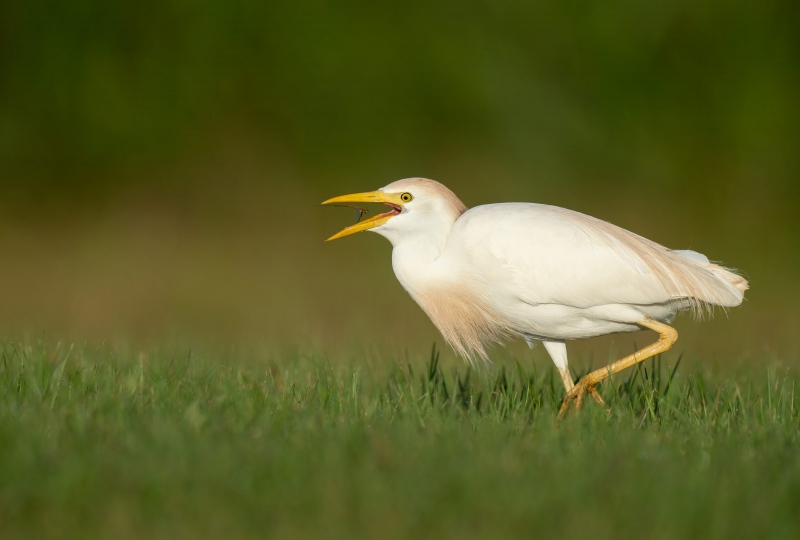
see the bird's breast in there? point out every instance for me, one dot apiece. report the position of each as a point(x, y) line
point(466, 321)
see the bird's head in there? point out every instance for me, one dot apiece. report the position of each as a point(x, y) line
point(417, 206)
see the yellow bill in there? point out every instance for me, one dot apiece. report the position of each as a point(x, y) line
point(390, 199)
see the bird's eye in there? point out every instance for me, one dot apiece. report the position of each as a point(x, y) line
point(406, 197)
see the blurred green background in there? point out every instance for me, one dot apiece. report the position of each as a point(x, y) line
point(162, 162)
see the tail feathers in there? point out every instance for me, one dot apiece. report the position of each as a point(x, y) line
point(728, 287)
point(730, 276)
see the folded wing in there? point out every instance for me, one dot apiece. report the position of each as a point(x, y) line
point(544, 254)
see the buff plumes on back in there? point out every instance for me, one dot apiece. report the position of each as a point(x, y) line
point(686, 276)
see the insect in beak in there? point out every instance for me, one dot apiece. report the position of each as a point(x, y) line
point(358, 212)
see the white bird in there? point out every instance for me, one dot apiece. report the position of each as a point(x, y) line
point(537, 272)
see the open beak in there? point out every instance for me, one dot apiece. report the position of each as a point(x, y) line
point(390, 199)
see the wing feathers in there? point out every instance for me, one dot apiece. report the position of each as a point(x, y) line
point(684, 274)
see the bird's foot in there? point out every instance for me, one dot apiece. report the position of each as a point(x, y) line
point(578, 392)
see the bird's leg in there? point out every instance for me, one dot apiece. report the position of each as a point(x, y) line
point(557, 349)
point(667, 338)
point(566, 376)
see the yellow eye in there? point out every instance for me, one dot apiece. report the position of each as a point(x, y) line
point(406, 197)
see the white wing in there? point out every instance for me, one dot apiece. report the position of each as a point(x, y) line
point(548, 255)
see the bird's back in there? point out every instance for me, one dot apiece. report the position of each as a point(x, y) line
point(544, 254)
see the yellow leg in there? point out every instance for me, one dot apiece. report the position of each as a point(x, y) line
point(666, 339)
point(566, 376)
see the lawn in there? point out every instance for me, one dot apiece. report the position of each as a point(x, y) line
point(100, 441)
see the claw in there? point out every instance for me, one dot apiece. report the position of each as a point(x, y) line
point(598, 398)
point(577, 394)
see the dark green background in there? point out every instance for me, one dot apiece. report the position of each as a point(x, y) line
point(161, 161)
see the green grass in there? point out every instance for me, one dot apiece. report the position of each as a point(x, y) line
point(103, 442)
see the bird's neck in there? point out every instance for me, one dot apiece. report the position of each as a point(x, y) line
point(418, 247)
point(416, 261)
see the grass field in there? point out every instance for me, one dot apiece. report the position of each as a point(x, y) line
point(114, 442)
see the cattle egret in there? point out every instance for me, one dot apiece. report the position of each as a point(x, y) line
point(537, 272)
